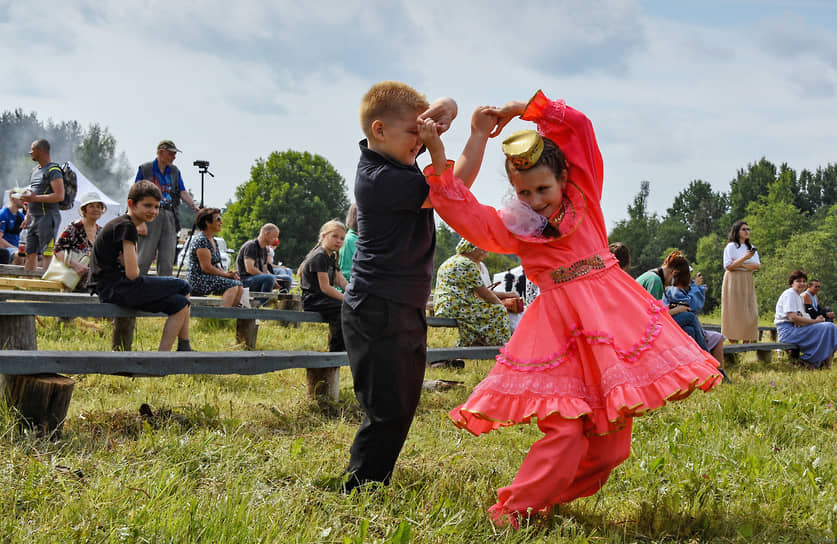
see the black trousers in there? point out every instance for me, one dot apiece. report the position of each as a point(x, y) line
point(330, 311)
point(387, 347)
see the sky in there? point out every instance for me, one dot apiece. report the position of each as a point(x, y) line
point(676, 91)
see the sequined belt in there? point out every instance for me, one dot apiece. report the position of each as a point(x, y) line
point(580, 268)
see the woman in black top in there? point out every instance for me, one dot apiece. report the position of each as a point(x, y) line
point(319, 276)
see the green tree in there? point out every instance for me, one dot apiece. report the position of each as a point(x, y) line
point(812, 251)
point(97, 158)
point(773, 218)
point(297, 191)
point(748, 185)
point(700, 210)
point(93, 150)
point(639, 232)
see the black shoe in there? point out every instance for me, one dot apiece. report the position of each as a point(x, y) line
point(724, 374)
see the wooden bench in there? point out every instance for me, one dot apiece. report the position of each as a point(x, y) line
point(40, 393)
point(70, 305)
point(32, 381)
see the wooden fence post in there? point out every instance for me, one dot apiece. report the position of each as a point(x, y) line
point(41, 399)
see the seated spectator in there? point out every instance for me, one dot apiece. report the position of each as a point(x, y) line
point(347, 252)
point(11, 223)
point(206, 274)
point(816, 338)
point(462, 295)
point(252, 263)
point(812, 303)
point(283, 273)
point(319, 276)
point(676, 271)
point(77, 239)
point(622, 254)
point(693, 295)
point(115, 269)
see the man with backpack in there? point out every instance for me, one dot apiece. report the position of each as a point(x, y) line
point(159, 237)
point(44, 194)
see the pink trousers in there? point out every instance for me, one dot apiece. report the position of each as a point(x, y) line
point(562, 466)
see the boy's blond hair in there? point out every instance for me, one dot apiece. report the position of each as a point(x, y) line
point(387, 98)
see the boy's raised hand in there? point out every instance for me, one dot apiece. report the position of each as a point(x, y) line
point(505, 114)
point(442, 112)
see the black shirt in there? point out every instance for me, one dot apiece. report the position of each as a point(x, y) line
point(251, 250)
point(309, 282)
point(107, 249)
point(396, 236)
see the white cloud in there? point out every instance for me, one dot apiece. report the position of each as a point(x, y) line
point(672, 99)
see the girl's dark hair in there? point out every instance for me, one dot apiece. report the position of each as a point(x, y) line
point(622, 254)
point(142, 189)
point(733, 234)
point(796, 274)
point(681, 275)
point(553, 158)
point(204, 216)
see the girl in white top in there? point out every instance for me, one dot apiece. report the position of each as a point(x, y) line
point(739, 311)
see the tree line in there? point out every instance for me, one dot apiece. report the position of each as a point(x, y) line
point(91, 148)
point(793, 217)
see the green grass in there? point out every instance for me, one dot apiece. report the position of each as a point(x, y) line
point(246, 459)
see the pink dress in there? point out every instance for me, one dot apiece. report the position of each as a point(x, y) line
point(594, 345)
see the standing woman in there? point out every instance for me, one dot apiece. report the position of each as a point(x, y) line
point(739, 311)
point(206, 274)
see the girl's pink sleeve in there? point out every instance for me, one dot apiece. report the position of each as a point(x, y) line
point(573, 132)
point(458, 207)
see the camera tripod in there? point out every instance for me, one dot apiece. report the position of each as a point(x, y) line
point(203, 169)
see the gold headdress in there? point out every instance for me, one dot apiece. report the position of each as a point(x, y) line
point(523, 148)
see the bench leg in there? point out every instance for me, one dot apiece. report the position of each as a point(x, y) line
point(323, 383)
point(729, 359)
point(42, 400)
point(290, 304)
point(123, 333)
point(246, 332)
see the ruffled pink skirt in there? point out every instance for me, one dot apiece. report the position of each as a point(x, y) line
point(598, 348)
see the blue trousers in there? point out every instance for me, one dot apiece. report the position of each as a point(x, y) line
point(260, 283)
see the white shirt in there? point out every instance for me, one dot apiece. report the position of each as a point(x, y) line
point(789, 302)
point(732, 253)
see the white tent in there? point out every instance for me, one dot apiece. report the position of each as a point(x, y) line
point(500, 276)
point(84, 186)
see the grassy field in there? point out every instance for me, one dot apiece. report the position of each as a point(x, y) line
point(248, 459)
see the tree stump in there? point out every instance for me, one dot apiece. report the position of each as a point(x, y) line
point(246, 332)
point(123, 333)
point(41, 399)
point(323, 383)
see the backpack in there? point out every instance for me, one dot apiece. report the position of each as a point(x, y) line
point(70, 187)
